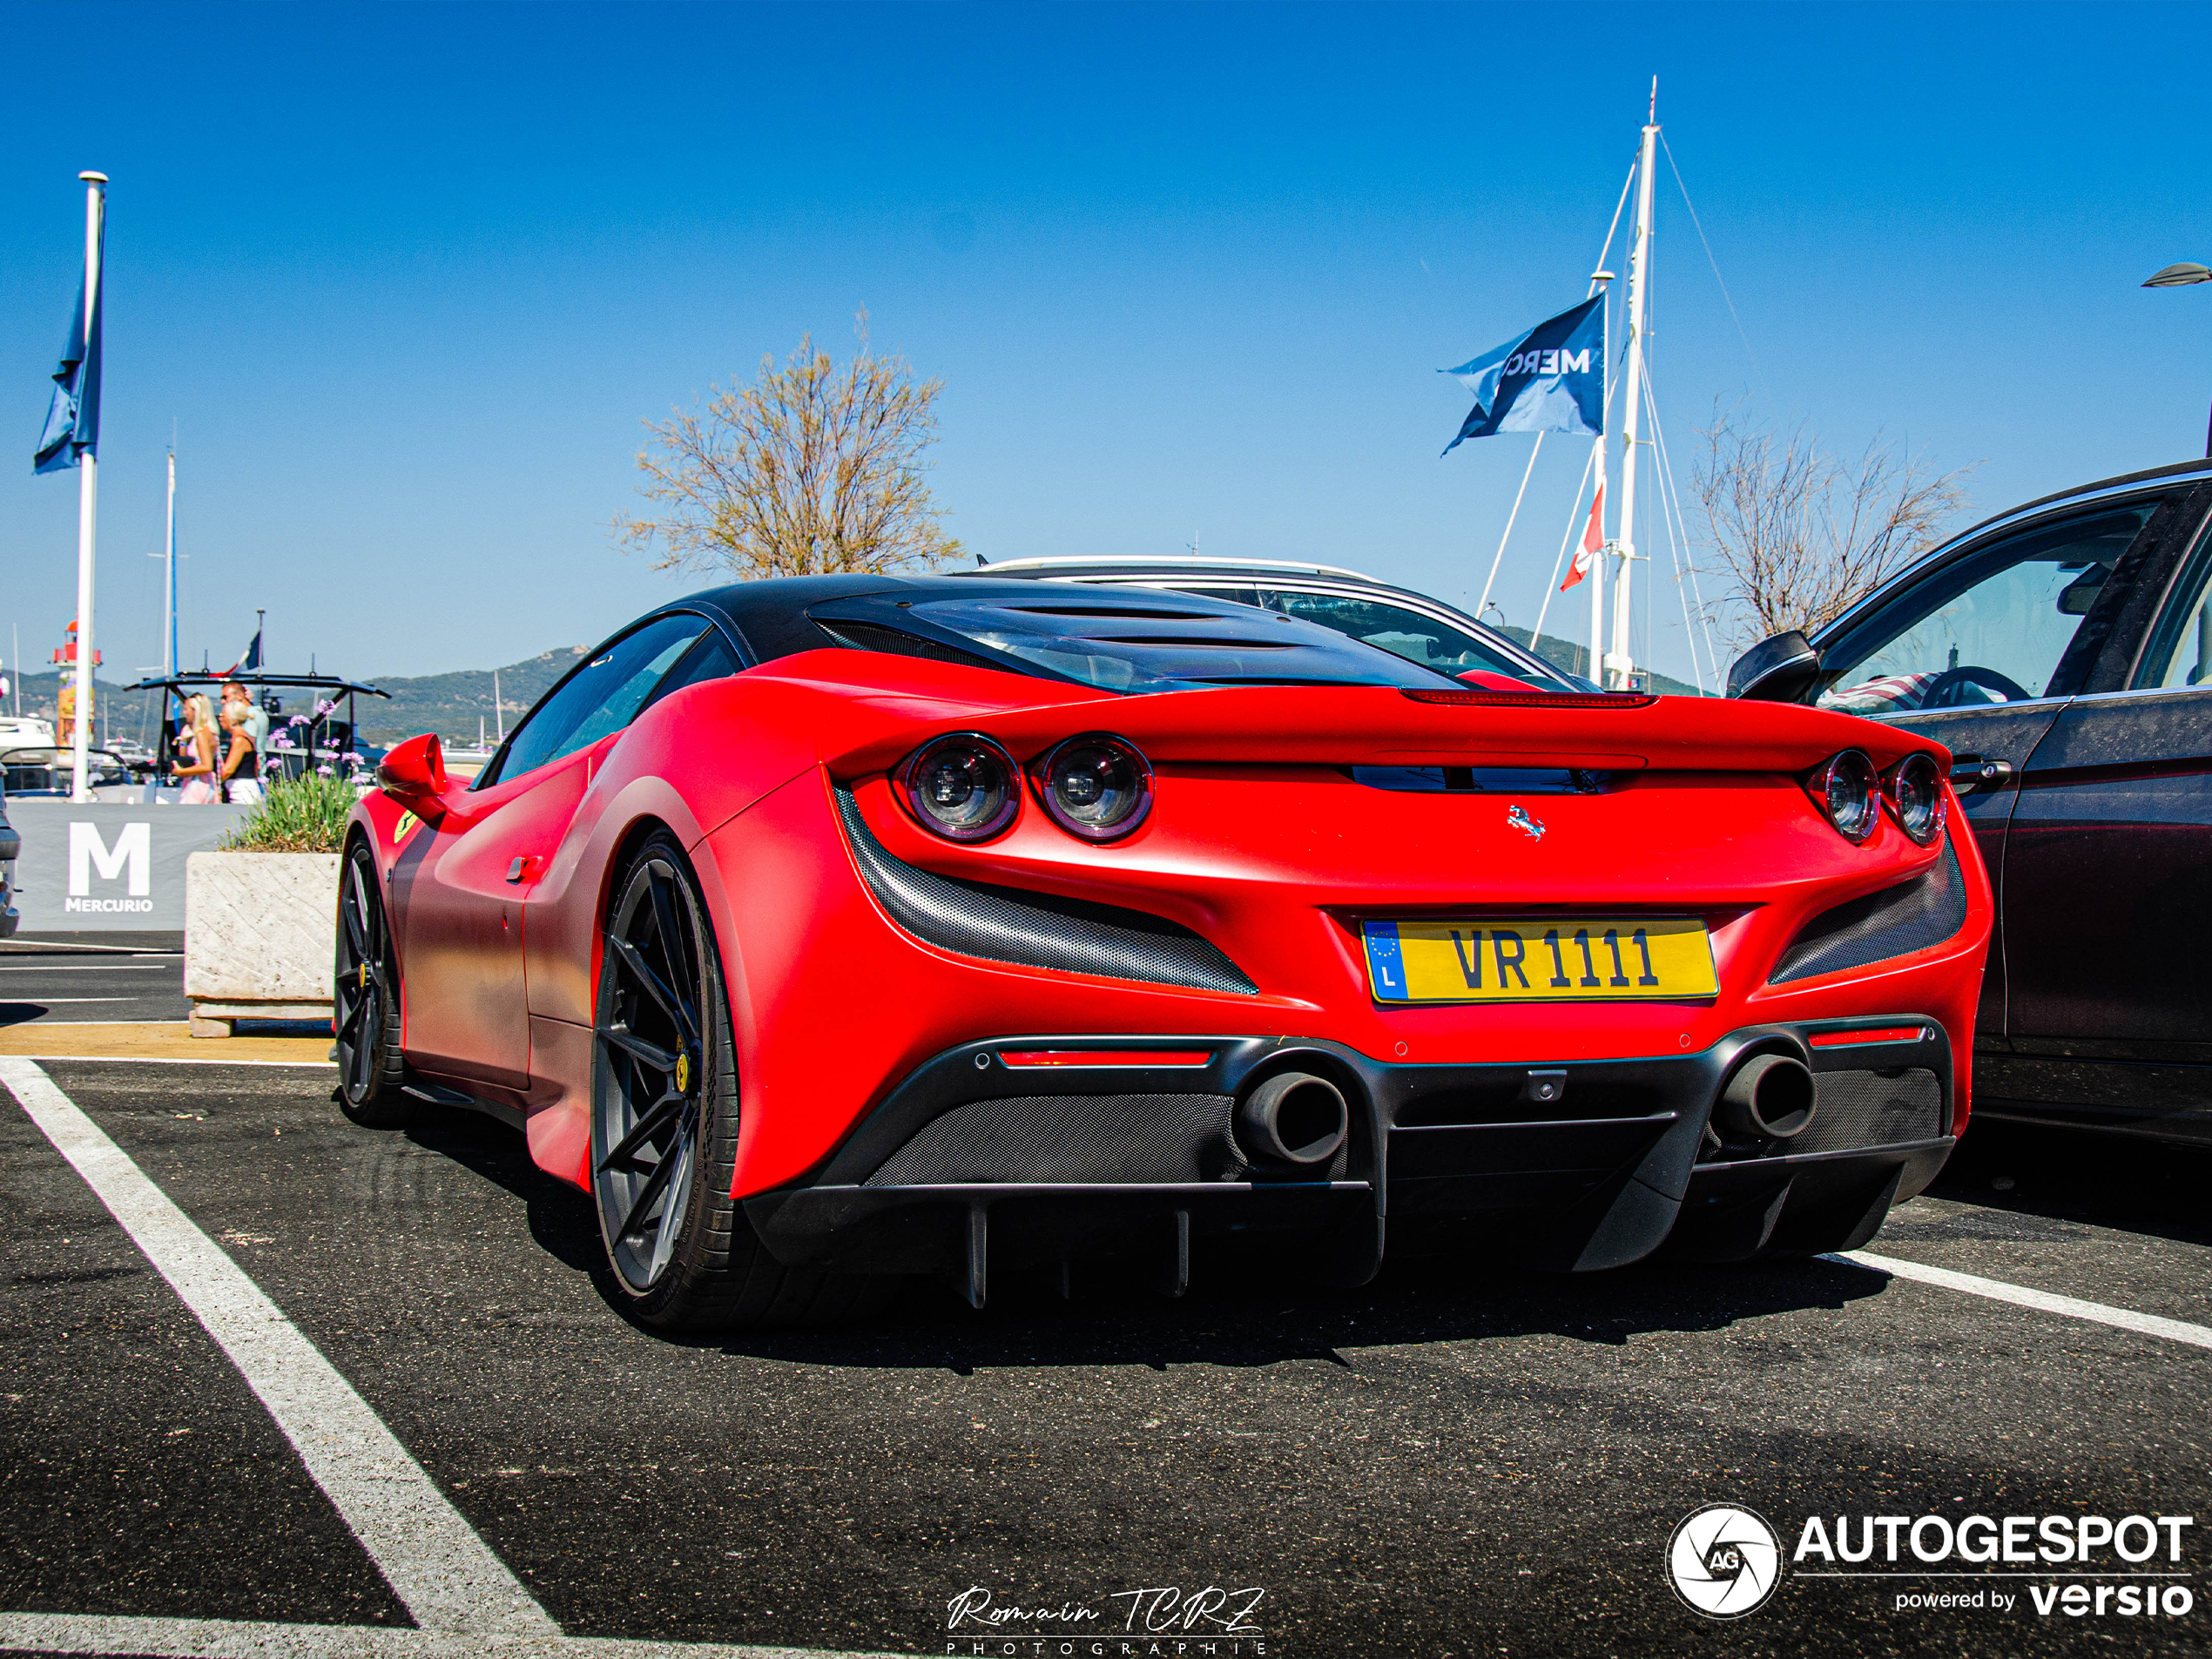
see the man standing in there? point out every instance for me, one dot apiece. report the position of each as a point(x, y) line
point(259, 720)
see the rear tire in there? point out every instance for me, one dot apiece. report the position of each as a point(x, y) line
point(664, 1102)
point(365, 995)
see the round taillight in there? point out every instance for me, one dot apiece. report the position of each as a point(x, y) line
point(1096, 787)
point(1914, 790)
point(962, 787)
point(1849, 793)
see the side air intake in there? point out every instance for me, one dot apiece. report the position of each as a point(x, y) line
point(1896, 921)
point(1035, 929)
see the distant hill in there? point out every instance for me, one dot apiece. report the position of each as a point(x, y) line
point(1575, 660)
point(450, 705)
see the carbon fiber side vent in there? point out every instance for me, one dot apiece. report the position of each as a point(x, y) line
point(1035, 929)
point(1896, 921)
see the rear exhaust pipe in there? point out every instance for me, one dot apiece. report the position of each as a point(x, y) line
point(1771, 1096)
point(1295, 1118)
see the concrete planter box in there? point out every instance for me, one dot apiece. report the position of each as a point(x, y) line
point(258, 937)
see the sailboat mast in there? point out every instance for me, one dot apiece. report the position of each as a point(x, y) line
point(1596, 577)
point(1619, 665)
point(169, 573)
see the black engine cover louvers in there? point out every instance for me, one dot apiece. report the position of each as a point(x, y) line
point(1035, 929)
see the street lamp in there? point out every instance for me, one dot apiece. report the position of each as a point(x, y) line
point(2183, 275)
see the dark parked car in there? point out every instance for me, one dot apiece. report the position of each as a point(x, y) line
point(2063, 652)
point(1409, 624)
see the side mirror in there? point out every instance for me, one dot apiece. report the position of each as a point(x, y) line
point(414, 771)
point(1780, 669)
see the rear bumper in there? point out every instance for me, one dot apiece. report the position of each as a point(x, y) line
point(1581, 1165)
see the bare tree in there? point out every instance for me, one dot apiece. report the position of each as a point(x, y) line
point(811, 468)
point(1803, 536)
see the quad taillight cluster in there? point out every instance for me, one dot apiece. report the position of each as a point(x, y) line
point(1851, 794)
point(966, 787)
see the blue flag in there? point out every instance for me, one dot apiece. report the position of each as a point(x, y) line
point(1550, 380)
point(73, 417)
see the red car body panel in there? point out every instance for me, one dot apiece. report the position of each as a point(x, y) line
point(1259, 841)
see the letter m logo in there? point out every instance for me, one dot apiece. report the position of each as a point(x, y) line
point(1575, 362)
point(88, 853)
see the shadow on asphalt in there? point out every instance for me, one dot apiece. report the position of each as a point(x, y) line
point(2046, 1184)
point(1232, 1316)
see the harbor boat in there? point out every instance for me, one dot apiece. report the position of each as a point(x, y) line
point(313, 738)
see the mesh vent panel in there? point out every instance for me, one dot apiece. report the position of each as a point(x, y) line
point(1033, 929)
point(1866, 1108)
point(1894, 922)
point(1071, 1138)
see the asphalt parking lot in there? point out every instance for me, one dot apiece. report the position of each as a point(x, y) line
point(128, 976)
point(1454, 1460)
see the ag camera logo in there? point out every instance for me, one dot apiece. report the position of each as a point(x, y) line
point(1725, 1562)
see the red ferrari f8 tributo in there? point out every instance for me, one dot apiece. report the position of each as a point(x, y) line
point(839, 927)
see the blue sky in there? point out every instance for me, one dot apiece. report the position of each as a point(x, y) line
point(407, 278)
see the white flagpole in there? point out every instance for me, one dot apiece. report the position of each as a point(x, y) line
point(87, 496)
point(1639, 287)
point(169, 645)
point(1507, 537)
point(1551, 584)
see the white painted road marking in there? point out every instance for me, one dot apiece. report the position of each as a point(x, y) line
point(160, 1059)
point(2149, 1325)
point(222, 1639)
point(445, 1574)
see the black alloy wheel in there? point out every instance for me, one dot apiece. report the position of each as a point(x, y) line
point(365, 991)
point(664, 1121)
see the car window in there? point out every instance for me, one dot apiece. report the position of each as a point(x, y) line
point(1992, 627)
point(1402, 632)
point(2179, 653)
point(602, 696)
point(711, 659)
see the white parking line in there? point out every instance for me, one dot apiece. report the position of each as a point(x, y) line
point(223, 1639)
point(156, 1059)
point(2149, 1325)
point(445, 1574)
point(92, 967)
point(462, 1595)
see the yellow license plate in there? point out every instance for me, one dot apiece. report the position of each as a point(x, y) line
point(1540, 959)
